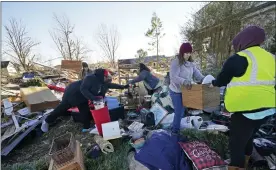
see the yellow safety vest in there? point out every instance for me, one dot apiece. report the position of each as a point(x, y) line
point(256, 88)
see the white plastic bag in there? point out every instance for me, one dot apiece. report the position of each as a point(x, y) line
point(208, 79)
point(191, 122)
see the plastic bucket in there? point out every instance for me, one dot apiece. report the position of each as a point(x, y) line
point(100, 116)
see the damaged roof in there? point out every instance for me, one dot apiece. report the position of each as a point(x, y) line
point(4, 64)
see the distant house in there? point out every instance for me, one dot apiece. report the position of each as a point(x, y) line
point(8, 69)
point(151, 61)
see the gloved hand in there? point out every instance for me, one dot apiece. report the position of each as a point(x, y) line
point(126, 86)
point(98, 97)
point(188, 84)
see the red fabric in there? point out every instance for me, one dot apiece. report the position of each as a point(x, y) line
point(59, 89)
point(201, 155)
point(105, 73)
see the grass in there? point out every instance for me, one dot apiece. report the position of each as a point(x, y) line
point(26, 157)
point(113, 161)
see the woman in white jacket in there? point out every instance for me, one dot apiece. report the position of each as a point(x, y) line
point(182, 72)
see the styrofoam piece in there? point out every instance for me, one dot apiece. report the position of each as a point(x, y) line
point(220, 128)
point(8, 107)
point(111, 130)
point(25, 111)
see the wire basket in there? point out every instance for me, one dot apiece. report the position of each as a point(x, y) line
point(63, 148)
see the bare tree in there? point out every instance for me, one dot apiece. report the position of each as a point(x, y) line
point(19, 45)
point(108, 40)
point(69, 46)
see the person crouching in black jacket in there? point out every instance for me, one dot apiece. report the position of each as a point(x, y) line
point(77, 95)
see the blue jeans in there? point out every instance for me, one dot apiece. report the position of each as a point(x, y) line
point(179, 110)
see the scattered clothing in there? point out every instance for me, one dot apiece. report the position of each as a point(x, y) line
point(264, 147)
point(202, 156)
point(163, 98)
point(162, 151)
point(191, 122)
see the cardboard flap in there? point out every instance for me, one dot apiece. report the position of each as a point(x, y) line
point(35, 95)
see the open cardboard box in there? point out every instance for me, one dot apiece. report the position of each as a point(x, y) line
point(201, 97)
point(39, 98)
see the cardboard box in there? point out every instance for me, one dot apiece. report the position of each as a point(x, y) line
point(39, 98)
point(201, 97)
point(71, 65)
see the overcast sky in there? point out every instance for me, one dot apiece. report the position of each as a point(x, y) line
point(131, 18)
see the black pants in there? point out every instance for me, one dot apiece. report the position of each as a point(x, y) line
point(61, 110)
point(242, 131)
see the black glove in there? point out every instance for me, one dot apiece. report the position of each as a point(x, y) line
point(126, 86)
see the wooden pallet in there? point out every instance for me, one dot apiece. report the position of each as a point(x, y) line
point(75, 164)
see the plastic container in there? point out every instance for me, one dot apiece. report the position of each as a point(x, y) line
point(100, 116)
point(98, 103)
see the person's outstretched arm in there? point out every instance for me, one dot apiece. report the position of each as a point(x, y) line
point(235, 66)
point(197, 75)
point(139, 78)
point(85, 87)
point(116, 86)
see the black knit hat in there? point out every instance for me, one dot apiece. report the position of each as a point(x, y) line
point(84, 64)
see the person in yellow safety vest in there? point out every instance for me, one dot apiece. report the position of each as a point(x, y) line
point(250, 94)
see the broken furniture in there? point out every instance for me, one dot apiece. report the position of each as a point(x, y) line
point(62, 149)
point(8, 110)
point(76, 163)
point(15, 129)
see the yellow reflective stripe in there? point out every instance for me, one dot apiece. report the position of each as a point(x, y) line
point(268, 83)
point(253, 77)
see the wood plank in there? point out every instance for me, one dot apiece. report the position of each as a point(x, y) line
point(71, 65)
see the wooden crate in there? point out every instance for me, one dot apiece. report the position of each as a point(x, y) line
point(75, 164)
point(71, 65)
point(201, 97)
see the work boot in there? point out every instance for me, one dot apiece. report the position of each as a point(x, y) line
point(246, 161)
point(44, 126)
